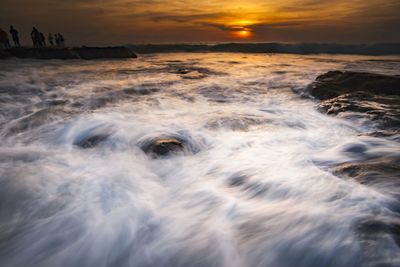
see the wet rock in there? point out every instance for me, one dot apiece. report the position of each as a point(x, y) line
point(163, 146)
point(381, 173)
point(168, 144)
point(43, 53)
point(140, 91)
point(94, 136)
point(104, 52)
point(91, 141)
point(4, 54)
point(373, 97)
point(336, 83)
point(69, 53)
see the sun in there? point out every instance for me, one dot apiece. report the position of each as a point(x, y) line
point(243, 34)
point(241, 29)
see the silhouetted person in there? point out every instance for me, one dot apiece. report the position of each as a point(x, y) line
point(57, 39)
point(35, 37)
point(50, 38)
point(62, 40)
point(15, 37)
point(4, 42)
point(42, 39)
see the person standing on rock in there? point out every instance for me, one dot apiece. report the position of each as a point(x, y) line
point(57, 39)
point(62, 40)
point(4, 42)
point(50, 38)
point(35, 37)
point(42, 39)
point(15, 37)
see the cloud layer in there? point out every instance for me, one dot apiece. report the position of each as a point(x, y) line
point(155, 21)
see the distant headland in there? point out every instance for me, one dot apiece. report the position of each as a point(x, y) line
point(291, 48)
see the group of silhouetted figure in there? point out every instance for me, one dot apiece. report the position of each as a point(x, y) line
point(38, 39)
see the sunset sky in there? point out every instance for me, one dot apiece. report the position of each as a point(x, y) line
point(104, 22)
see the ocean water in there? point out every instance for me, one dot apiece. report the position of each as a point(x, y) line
point(252, 189)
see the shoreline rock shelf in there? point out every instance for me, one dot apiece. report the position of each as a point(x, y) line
point(69, 53)
point(373, 96)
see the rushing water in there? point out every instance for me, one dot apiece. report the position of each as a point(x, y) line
point(252, 192)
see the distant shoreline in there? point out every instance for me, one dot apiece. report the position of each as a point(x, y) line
point(131, 51)
point(302, 48)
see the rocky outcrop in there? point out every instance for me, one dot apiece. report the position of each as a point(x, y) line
point(104, 52)
point(43, 53)
point(374, 97)
point(375, 100)
point(4, 54)
point(69, 53)
point(336, 83)
point(164, 145)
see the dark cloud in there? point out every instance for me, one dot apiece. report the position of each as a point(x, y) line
point(187, 18)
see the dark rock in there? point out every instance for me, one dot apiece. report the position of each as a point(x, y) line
point(69, 53)
point(94, 136)
point(336, 83)
point(382, 109)
point(43, 53)
point(140, 91)
point(163, 146)
point(4, 54)
point(375, 97)
point(168, 144)
point(91, 141)
point(104, 52)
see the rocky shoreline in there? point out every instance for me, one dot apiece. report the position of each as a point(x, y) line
point(69, 53)
point(374, 99)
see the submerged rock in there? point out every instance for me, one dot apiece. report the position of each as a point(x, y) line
point(94, 136)
point(163, 146)
point(91, 141)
